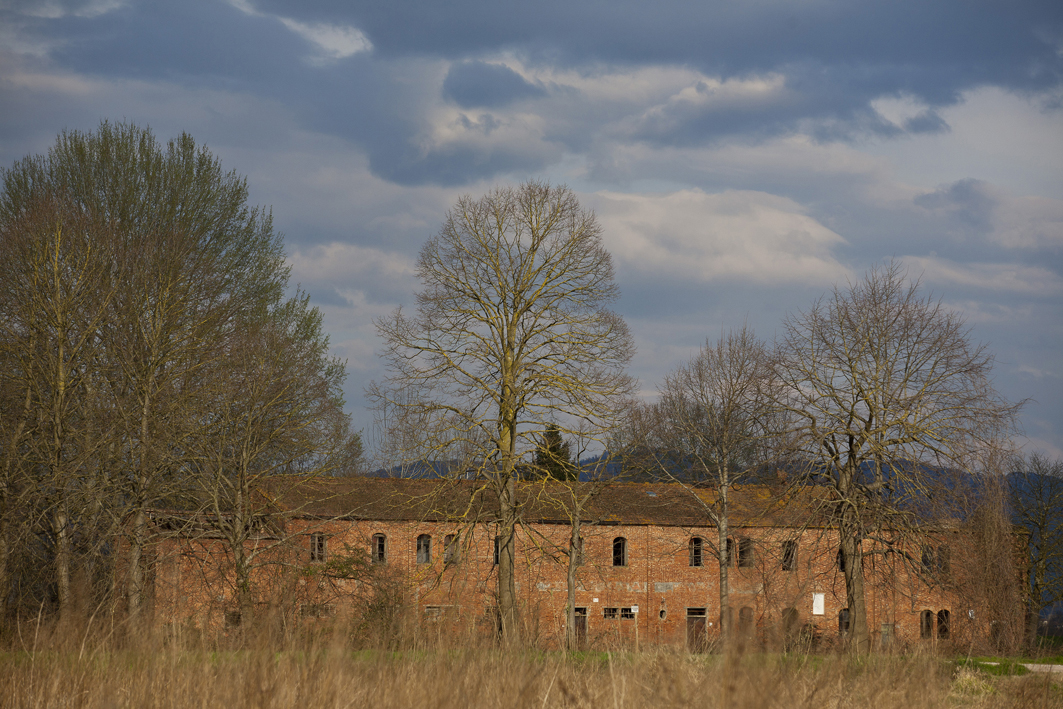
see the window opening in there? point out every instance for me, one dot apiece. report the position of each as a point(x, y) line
point(843, 621)
point(943, 624)
point(926, 624)
point(627, 613)
point(927, 559)
point(944, 559)
point(380, 549)
point(745, 620)
point(424, 549)
point(695, 551)
point(232, 619)
point(745, 553)
point(841, 561)
point(580, 618)
point(450, 549)
point(496, 551)
point(789, 555)
point(610, 613)
point(619, 552)
point(317, 547)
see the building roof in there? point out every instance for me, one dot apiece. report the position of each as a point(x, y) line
point(549, 502)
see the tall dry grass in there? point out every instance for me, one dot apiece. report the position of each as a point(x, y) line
point(89, 669)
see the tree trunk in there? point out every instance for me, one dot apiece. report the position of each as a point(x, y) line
point(575, 550)
point(859, 635)
point(60, 528)
point(725, 588)
point(136, 563)
point(507, 587)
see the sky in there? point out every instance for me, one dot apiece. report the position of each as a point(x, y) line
point(743, 158)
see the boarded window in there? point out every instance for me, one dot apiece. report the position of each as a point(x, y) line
point(580, 619)
point(791, 624)
point(697, 630)
point(451, 549)
point(926, 624)
point(695, 551)
point(610, 613)
point(745, 620)
point(789, 555)
point(843, 621)
point(745, 553)
point(380, 549)
point(318, 550)
point(943, 625)
point(619, 552)
point(424, 549)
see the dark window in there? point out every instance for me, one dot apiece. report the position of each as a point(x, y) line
point(318, 549)
point(451, 550)
point(789, 555)
point(317, 610)
point(943, 625)
point(619, 552)
point(843, 621)
point(662, 614)
point(433, 612)
point(841, 561)
point(695, 551)
point(380, 549)
point(944, 560)
point(926, 624)
point(424, 549)
point(791, 623)
point(610, 612)
point(232, 619)
point(627, 613)
point(745, 553)
point(496, 551)
point(928, 558)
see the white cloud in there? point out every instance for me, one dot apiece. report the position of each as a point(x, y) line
point(332, 41)
point(338, 261)
point(1001, 277)
point(735, 234)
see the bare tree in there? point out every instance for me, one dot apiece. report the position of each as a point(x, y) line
point(511, 330)
point(885, 387)
point(714, 425)
point(1036, 501)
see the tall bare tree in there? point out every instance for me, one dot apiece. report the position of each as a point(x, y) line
point(1036, 502)
point(714, 425)
point(510, 331)
point(885, 387)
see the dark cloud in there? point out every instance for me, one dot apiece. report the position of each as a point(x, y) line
point(480, 84)
point(970, 201)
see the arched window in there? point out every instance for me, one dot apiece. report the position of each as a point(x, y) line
point(619, 552)
point(424, 549)
point(943, 625)
point(380, 549)
point(451, 551)
point(843, 621)
point(926, 624)
point(695, 551)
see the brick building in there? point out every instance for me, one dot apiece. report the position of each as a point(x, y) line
point(648, 572)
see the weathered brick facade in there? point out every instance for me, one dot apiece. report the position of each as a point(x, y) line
point(653, 587)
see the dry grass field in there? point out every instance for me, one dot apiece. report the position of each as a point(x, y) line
point(76, 672)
